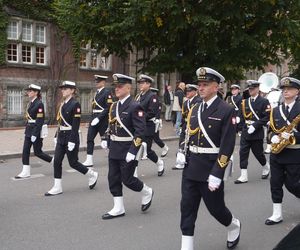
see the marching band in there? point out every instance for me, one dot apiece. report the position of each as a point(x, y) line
point(129, 126)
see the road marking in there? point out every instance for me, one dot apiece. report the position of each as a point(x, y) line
point(31, 177)
point(71, 170)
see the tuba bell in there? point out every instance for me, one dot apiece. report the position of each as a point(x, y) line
point(269, 83)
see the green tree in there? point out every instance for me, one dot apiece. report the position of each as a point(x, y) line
point(229, 35)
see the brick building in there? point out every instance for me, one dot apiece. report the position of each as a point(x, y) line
point(38, 52)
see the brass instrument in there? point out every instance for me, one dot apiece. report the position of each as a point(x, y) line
point(278, 147)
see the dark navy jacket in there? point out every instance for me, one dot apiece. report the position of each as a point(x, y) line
point(35, 111)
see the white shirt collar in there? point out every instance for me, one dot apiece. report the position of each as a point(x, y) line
point(190, 100)
point(124, 99)
point(99, 90)
point(254, 98)
point(33, 99)
point(210, 101)
point(290, 105)
point(68, 99)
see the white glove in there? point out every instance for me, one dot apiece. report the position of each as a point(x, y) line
point(213, 182)
point(275, 139)
point(33, 138)
point(130, 157)
point(160, 124)
point(180, 158)
point(238, 120)
point(251, 129)
point(55, 141)
point(103, 144)
point(95, 121)
point(71, 146)
point(286, 135)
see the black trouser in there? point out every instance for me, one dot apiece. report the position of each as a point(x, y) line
point(257, 149)
point(150, 153)
point(60, 151)
point(284, 174)
point(157, 140)
point(192, 192)
point(92, 133)
point(37, 147)
point(122, 172)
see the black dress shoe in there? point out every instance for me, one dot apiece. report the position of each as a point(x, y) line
point(265, 176)
point(269, 222)
point(108, 216)
point(48, 194)
point(240, 182)
point(146, 206)
point(174, 168)
point(232, 244)
point(160, 173)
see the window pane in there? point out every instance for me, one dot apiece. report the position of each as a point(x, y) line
point(94, 59)
point(14, 102)
point(105, 62)
point(83, 58)
point(85, 102)
point(40, 34)
point(12, 52)
point(40, 55)
point(44, 100)
point(27, 31)
point(26, 54)
point(12, 30)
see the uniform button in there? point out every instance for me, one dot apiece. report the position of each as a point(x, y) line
point(201, 143)
point(209, 126)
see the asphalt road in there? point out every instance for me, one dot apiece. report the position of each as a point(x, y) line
point(29, 220)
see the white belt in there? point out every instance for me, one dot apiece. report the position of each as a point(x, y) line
point(97, 110)
point(296, 146)
point(249, 122)
point(31, 121)
point(200, 150)
point(63, 128)
point(119, 138)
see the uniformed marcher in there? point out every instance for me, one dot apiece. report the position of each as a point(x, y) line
point(192, 98)
point(235, 99)
point(285, 154)
point(210, 143)
point(254, 115)
point(35, 116)
point(158, 127)
point(67, 139)
point(99, 120)
point(126, 132)
point(149, 101)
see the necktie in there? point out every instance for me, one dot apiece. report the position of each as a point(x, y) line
point(204, 107)
point(252, 100)
point(287, 112)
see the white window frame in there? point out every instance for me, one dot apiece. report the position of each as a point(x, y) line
point(85, 101)
point(25, 23)
point(24, 41)
point(17, 32)
point(14, 101)
point(11, 61)
point(36, 36)
point(31, 54)
point(88, 50)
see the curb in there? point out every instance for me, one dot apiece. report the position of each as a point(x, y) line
point(83, 148)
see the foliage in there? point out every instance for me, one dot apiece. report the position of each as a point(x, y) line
point(229, 35)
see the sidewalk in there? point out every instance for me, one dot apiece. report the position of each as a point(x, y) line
point(12, 139)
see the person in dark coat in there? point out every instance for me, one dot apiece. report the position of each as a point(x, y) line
point(126, 133)
point(99, 119)
point(254, 115)
point(35, 116)
point(284, 160)
point(67, 139)
point(209, 145)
